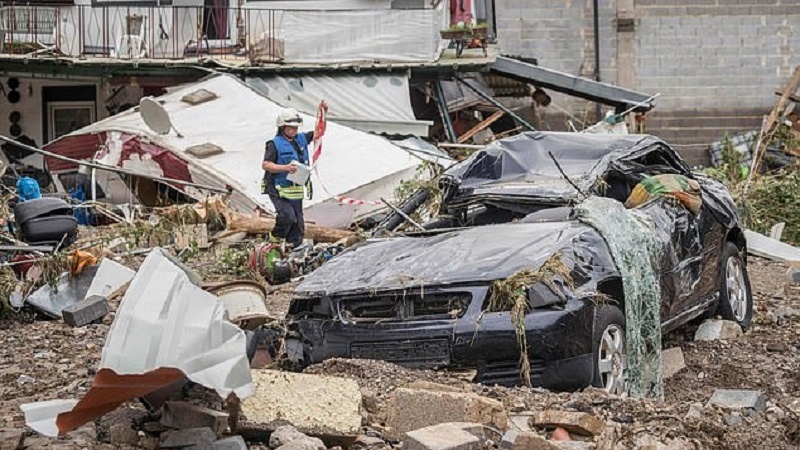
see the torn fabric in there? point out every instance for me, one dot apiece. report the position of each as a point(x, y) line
point(165, 328)
point(637, 250)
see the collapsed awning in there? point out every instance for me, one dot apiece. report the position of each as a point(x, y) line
point(585, 88)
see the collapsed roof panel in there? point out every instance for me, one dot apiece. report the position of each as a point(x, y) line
point(382, 106)
point(240, 121)
point(573, 85)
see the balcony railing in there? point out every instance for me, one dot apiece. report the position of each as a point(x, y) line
point(237, 33)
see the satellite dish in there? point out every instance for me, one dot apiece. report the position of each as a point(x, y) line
point(155, 116)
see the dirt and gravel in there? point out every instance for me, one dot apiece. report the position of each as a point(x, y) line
point(42, 360)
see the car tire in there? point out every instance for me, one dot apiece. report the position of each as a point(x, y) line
point(735, 295)
point(608, 349)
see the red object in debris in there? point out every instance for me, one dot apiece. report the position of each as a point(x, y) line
point(109, 390)
point(22, 264)
point(560, 435)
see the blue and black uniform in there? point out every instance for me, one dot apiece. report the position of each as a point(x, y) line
point(286, 196)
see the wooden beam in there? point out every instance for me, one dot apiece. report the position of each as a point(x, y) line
point(792, 97)
point(768, 130)
point(480, 127)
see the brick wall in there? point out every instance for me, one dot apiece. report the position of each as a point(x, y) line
point(716, 63)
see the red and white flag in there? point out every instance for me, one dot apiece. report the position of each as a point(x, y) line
point(319, 130)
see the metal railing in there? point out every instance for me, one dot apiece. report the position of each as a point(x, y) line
point(146, 32)
point(131, 32)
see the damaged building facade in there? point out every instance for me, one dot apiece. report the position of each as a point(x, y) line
point(717, 64)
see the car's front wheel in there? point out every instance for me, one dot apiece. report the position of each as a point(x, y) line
point(609, 360)
point(735, 296)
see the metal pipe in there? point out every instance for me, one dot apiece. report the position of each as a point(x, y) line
point(448, 124)
point(111, 168)
point(596, 18)
point(497, 104)
point(469, 146)
point(404, 215)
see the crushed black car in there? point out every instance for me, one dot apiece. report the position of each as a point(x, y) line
point(420, 298)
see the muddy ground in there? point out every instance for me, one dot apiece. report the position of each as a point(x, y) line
point(43, 360)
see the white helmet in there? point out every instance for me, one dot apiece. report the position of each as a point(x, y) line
point(288, 117)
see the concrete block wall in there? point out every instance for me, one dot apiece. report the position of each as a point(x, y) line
point(716, 63)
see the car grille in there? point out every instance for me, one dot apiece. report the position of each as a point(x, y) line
point(415, 353)
point(406, 306)
point(507, 373)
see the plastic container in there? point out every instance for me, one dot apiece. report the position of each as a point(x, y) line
point(28, 189)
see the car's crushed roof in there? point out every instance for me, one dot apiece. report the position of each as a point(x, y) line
point(522, 166)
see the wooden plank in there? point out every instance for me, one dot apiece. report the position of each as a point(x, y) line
point(792, 97)
point(480, 127)
point(769, 127)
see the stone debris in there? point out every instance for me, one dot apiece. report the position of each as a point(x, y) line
point(445, 436)
point(575, 422)
point(738, 399)
point(520, 421)
point(284, 435)
point(303, 443)
point(695, 411)
point(715, 330)
point(368, 443)
point(527, 440)
point(182, 415)
point(85, 311)
point(732, 420)
point(575, 445)
point(12, 439)
point(122, 434)
point(315, 404)
point(188, 437)
point(412, 409)
point(230, 443)
point(672, 362)
point(793, 275)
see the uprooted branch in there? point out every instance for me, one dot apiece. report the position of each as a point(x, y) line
point(511, 294)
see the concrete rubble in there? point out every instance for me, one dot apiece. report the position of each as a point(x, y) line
point(793, 275)
point(288, 438)
point(230, 443)
point(182, 415)
point(527, 440)
point(714, 330)
point(412, 409)
point(445, 436)
point(189, 437)
point(766, 247)
point(85, 311)
point(672, 362)
point(575, 422)
point(11, 439)
point(738, 399)
point(316, 405)
point(520, 421)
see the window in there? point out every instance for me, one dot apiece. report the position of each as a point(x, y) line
point(66, 117)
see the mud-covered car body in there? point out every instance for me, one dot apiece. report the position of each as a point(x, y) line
point(421, 299)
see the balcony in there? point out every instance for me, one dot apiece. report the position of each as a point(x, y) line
point(245, 35)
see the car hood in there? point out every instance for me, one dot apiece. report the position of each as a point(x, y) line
point(472, 255)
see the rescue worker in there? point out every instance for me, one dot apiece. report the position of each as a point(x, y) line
point(288, 145)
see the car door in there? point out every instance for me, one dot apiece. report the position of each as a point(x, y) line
point(684, 260)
